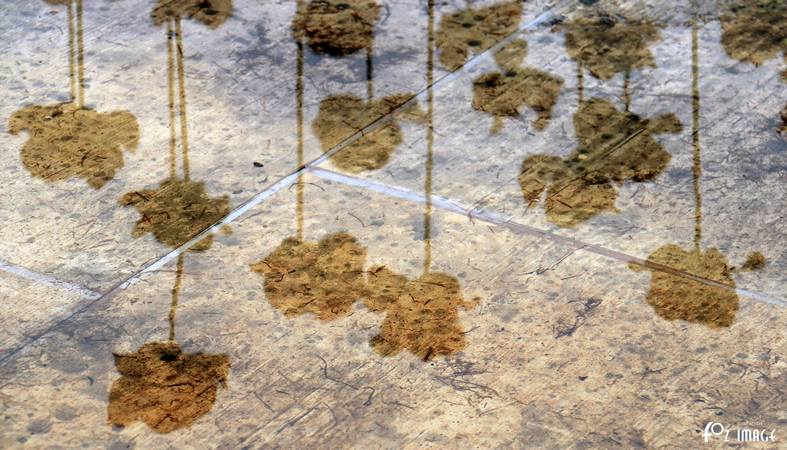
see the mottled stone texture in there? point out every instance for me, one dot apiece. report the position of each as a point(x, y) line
point(573, 239)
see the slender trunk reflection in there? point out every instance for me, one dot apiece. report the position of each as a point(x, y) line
point(159, 384)
point(421, 315)
point(674, 296)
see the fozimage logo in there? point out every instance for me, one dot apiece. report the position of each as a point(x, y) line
point(715, 430)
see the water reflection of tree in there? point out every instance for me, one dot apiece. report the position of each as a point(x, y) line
point(341, 116)
point(159, 384)
point(179, 208)
point(212, 13)
point(710, 300)
point(326, 278)
point(421, 315)
point(323, 278)
point(607, 43)
point(476, 30)
point(341, 28)
point(754, 31)
point(162, 386)
point(69, 140)
point(614, 147)
point(336, 27)
point(502, 94)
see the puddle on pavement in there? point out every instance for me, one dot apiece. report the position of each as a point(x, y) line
point(327, 278)
point(67, 140)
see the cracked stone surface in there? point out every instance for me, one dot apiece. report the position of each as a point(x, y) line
point(243, 224)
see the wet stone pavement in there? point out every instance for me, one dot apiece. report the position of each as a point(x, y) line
point(375, 224)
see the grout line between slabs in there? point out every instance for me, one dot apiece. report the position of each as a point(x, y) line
point(47, 280)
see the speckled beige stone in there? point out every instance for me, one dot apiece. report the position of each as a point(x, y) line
point(561, 289)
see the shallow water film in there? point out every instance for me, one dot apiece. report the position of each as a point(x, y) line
point(393, 224)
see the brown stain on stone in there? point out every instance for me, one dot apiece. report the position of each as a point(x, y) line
point(607, 44)
point(502, 94)
point(212, 13)
point(476, 30)
point(755, 30)
point(421, 315)
point(177, 211)
point(341, 116)
point(164, 387)
point(675, 297)
point(615, 146)
point(336, 27)
point(323, 278)
point(67, 141)
point(754, 261)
